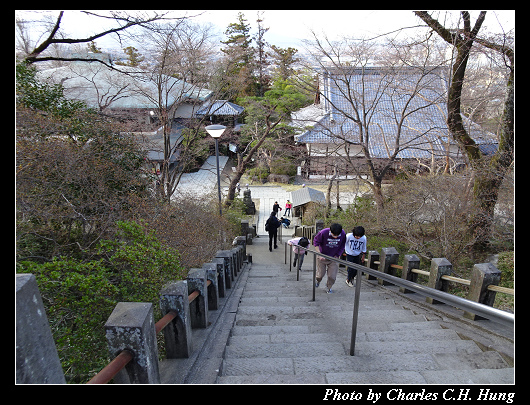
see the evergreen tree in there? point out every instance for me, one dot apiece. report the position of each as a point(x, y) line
point(134, 58)
point(262, 61)
point(240, 55)
point(284, 60)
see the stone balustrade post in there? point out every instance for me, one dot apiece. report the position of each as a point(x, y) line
point(221, 282)
point(439, 267)
point(131, 326)
point(213, 288)
point(244, 227)
point(225, 256)
point(177, 334)
point(482, 276)
point(319, 225)
point(199, 306)
point(409, 262)
point(373, 256)
point(388, 256)
point(242, 241)
point(37, 361)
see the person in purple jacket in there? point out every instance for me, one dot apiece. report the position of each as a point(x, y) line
point(329, 241)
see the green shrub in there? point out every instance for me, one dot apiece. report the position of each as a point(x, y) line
point(79, 296)
point(506, 265)
point(140, 262)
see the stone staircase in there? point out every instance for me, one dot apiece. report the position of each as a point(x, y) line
point(281, 337)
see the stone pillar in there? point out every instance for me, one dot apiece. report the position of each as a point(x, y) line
point(177, 334)
point(439, 267)
point(37, 361)
point(319, 225)
point(221, 283)
point(409, 262)
point(482, 276)
point(235, 262)
point(244, 227)
point(213, 290)
point(131, 326)
point(242, 241)
point(373, 256)
point(225, 256)
point(388, 256)
point(199, 306)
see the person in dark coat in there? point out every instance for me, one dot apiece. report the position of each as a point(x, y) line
point(271, 226)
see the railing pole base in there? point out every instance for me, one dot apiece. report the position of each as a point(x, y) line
point(355, 312)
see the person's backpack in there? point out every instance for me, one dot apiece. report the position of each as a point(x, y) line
point(267, 225)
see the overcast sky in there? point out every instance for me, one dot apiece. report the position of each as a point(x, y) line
point(289, 27)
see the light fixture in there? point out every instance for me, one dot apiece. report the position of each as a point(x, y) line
point(215, 130)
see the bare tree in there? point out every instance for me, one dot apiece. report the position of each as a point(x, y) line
point(489, 172)
point(369, 104)
point(180, 76)
point(123, 23)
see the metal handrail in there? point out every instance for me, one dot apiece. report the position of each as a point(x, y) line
point(485, 311)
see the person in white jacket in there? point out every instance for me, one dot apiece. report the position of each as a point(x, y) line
point(355, 251)
point(299, 254)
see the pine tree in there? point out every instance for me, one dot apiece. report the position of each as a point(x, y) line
point(240, 54)
point(134, 58)
point(263, 79)
point(284, 59)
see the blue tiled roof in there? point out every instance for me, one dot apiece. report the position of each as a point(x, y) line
point(220, 107)
point(387, 100)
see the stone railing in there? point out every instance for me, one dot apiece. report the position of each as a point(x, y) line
point(483, 285)
point(131, 329)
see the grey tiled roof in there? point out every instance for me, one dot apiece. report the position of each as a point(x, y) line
point(387, 100)
point(307, 194)
point(220, 107)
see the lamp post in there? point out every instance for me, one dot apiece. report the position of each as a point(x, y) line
point(215, 132)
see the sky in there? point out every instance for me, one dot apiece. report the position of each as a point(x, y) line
point(290, 27)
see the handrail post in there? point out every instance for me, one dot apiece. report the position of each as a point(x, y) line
point(373, 256)
point(409, 262)
point(388, 256)
point(37, 361)
point(199, 307)
point(131, 326)
point(314, 275)
point(177, 335)
point(483, 275)
point(355, 313)
point(439, 267)
point(298, 265)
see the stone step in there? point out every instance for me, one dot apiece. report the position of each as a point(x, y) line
point(272, 379)
point(320, 365)
point(306, 337)
point(286, 317)
point(282, 350)
point(477, 376)
point(283, 338)
point(333, 348)
point(369, 301)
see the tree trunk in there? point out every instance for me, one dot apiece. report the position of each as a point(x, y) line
point(489, 172)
